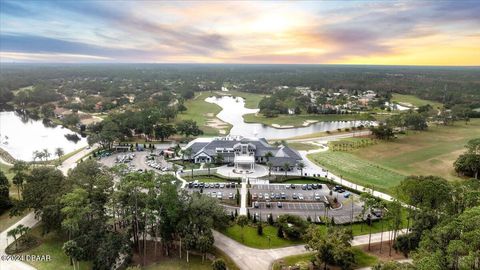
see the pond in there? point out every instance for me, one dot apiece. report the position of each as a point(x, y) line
point(20, 135)
point(233, 108)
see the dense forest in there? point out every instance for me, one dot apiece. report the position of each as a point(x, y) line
point(462, 83)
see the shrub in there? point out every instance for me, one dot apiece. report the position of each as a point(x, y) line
point(259, 229)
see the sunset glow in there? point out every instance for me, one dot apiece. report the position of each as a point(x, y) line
point(311, 32)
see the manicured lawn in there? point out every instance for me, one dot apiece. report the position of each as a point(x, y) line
point(201, 111)
point(298, 120)
point(303, 146)
point(415, 101)
point(430, 152)
point(358, 170)
point(52, 245)
point(252, 239)
point(362, 259)
point(186, 165)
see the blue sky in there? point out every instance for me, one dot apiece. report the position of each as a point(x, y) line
point(344, 32)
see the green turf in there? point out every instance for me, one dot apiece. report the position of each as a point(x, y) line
point(358, 170)
point(52, 245)
point(201, 111)
point(298, 120)
point(303, 146)
point(252, 239)
point(413, 100)
point(430, 152)
point(301, 181)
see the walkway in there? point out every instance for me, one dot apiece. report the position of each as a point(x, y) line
point(248, 258)
point(243, 197)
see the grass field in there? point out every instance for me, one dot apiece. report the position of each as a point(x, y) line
point(201, 111)
point(362, 259)
point(431, 152)
point(207, 179)
point(303, 146)
point(385, 164)
point(415, 101)
point(358, 170)
point(52, 245)
point(298, 120)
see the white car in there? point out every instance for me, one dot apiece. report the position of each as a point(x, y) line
point(300, 196)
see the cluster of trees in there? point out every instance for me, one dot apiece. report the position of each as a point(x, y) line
point(408, 120)
point(102, 220)
point(331, 247)
point(5, 202)
point(468, 164)
point(442, 223)
point(119, 127)
point(111, 83)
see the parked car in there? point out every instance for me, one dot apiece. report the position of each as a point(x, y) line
point(317, 197)
point(314, 186)
point(230, 196)
point(292, 186)
point(256, 204)
point(268, 204)
point(309, 187)
point(300, 196)
point(341, 190)
point(279, 204)
point(283, 196)
point(346, 195)
point(294, 196)
point(304, 187)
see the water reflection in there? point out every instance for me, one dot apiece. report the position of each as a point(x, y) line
point(234, 109)
point(21, 135)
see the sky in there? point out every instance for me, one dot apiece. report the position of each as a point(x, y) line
point(276, 32)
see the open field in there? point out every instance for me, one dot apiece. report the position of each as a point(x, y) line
point(430, 152)
point(385, 164)
point(358, 170)
point(415, 101)
point(362, 259)
point(299, 120)
point(204, 113)
point(303, 146)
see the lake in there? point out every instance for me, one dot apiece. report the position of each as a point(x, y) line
point(21, 135)
point(233, 109)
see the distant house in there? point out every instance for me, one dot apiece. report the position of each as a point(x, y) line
point(242, 151)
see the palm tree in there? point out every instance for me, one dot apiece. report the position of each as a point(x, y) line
point(286, 167)
point(270, 166)
point(208, 165)
point(59, 152)
point(301, 166)
point(46, 154)
point(13, 233)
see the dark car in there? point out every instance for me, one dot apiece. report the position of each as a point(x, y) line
point(190, 185)
point(336, 188)
point(309, 187)
point(279, 204)
point(292, 186)
point(283, 196)
point(314, 186)
point(341, 190)
point(277, 196)
point(217, 185)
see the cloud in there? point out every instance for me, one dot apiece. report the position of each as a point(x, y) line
point(39, 44)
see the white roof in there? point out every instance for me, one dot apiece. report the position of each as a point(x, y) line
point(244, 159)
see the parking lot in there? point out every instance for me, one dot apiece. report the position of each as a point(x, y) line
point(137, 161)
point(222, 191)
point(304, 201)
